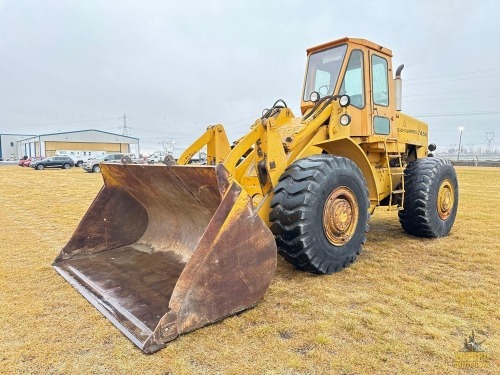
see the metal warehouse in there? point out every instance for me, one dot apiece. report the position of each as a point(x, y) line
point(9, 145)
point(81, 140)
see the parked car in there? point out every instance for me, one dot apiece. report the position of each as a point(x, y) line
point(156, 157)
point(93, 165)
point(64, 162)
point(81, 156)
point(22, 161)
point(27, 162)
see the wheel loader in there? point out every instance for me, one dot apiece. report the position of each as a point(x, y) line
point(166, 249)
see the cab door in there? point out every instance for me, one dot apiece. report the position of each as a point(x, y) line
point(382, 107)
point(353, 84)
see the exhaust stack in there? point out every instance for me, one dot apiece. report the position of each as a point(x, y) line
point(398, 83)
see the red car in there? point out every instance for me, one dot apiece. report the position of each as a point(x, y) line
point(27, 162)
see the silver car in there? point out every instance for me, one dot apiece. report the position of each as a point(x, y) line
point(93, 165)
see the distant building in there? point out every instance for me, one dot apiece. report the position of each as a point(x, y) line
point(9, 145)
point(81, 140)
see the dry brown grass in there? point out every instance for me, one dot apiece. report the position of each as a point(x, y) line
point(405, 306)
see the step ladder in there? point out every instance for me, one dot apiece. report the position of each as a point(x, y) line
point(389, 157)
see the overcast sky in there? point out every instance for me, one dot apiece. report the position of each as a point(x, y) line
point(175, 67)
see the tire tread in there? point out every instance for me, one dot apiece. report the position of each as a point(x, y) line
point(292, 209)
point(422, 179)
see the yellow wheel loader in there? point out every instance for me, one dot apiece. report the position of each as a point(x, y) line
point(166, 249)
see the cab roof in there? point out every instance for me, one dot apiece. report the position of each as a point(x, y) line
point(362, 42)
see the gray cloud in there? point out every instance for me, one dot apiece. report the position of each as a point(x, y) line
point(186, 65)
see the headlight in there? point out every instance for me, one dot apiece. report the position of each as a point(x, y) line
point(344, 100)
point(345, 119)
point(432, 147)
point(314, 97)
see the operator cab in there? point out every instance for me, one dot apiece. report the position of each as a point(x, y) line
point(357, 68)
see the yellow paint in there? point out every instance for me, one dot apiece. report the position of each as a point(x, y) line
point(218, 147)
point(347, 148)
point(273, 143)
point(411, 130)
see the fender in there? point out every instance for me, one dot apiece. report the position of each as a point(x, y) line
point(345, 147)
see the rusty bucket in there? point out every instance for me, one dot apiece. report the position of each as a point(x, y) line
point(164, 250)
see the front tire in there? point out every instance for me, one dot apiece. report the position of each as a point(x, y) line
point(431, 198)
point(40, 167)
point(319, 213)
point(96, 169)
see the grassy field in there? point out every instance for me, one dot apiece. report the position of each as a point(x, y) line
point(405, 306)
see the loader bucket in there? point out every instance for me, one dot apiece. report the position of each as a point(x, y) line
point(164, 250)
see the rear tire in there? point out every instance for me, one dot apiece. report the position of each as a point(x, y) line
point(431, 198)
point(66, 166)
point(319, 213)
point(79, 163)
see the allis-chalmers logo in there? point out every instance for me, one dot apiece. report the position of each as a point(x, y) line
point(472, 354)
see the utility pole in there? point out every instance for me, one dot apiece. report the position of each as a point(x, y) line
point(124, 127)
point(168, 146)
point(460, 142)
point(490, 136)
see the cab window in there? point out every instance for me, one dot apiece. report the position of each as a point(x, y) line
point(379, 81)
point(323, 71)
point(381, 125)
point(352, 84)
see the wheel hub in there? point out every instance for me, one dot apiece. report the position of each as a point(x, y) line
point(446, 199)
point(340, 216)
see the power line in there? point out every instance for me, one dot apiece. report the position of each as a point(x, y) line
point(154, 121)
point(451, 80)
point(163, 122)
point(450, 92)
point(456, 114)
point(451, 75)
point(448, 99)
point(456, 130)
point(60, 123)
point(454, 58)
